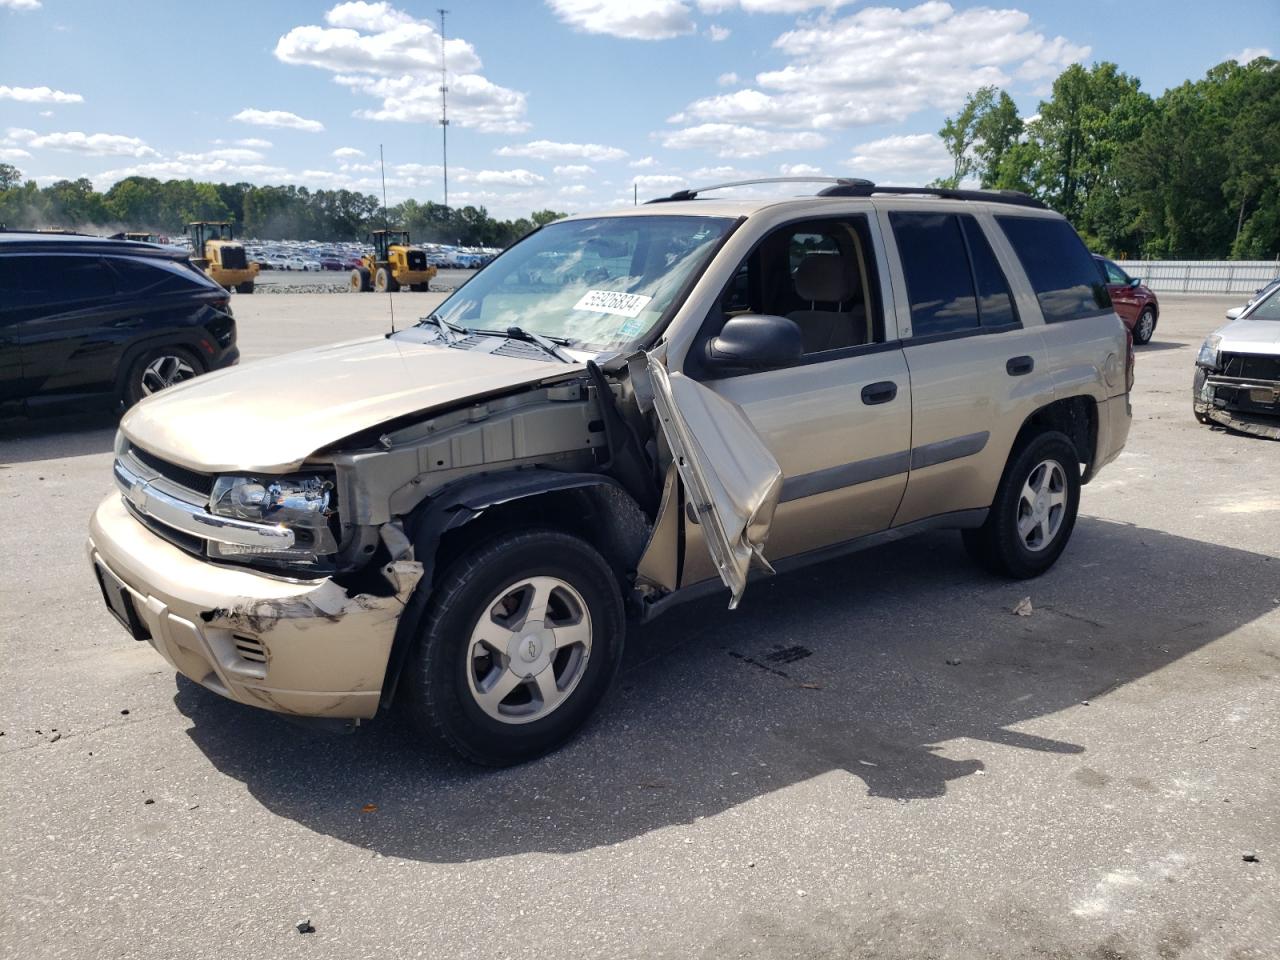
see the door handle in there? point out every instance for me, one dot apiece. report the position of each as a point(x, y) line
point(881, 392)
point(1019, 366)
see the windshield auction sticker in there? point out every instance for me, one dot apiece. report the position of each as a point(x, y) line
point(610, 301)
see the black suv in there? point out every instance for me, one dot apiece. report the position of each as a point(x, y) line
point(86, 321)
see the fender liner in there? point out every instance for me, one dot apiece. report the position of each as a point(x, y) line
point(454, 506)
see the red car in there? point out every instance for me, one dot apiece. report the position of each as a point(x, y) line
point(1134, 301)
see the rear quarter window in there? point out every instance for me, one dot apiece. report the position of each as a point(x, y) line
point(1064, 275)
point(137, 276)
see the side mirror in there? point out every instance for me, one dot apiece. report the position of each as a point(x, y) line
point(1234, 313)
point(1135, 282)
point(756, 341)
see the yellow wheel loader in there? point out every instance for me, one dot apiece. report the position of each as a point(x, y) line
point(215, 252)
point(393, 264)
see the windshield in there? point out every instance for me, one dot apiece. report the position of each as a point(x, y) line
point(1267, 308)
point(597, 284)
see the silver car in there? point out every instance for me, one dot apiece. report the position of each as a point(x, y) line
point(1237, 376)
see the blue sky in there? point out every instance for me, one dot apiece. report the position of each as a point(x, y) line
point(563, 103)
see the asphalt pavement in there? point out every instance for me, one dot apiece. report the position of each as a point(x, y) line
point(871, 758)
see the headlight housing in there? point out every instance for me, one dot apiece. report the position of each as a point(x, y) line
point(302, 503)
point(1208, 356)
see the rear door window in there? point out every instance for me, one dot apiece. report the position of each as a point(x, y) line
point(39, 280)
point(995, 303)
point(935, 265)
point(1062, 272)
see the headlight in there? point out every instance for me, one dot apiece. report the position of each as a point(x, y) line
point(1208, 356)
point(302, 503)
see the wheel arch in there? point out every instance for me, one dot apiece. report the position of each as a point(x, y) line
point(463, 514)
point(188, 340)
point(1076, 416)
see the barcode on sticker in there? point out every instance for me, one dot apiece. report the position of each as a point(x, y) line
point(609, 301)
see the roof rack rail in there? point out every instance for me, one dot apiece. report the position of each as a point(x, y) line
point(856, 187)
point(1014, 197)
point(837, 182)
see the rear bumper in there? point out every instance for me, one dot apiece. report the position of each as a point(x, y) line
point(304, 648)
point(1115, 416)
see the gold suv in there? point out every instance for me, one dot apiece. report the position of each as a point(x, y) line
point(621, 412)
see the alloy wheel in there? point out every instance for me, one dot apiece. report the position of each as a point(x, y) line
point(529, 649)
point(165, 371)
point(1042, 505)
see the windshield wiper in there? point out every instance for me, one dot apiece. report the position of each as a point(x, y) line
point(550, 344)
point(447, 329)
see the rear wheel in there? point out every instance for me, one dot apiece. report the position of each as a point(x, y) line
point(1145, 327)
point(384, 282)
point(359, 280)
point(521, 639)
point(1034, 510)
point(158, 369)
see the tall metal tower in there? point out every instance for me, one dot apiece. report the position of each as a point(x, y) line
point(444, 109)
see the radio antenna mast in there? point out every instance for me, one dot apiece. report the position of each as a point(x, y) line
point(391, 302)
point(444, 110)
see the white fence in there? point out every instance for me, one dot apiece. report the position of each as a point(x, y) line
point(1202, 276)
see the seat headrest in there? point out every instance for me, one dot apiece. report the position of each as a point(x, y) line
point(825, 278)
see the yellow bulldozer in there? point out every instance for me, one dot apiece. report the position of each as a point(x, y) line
point(393, 264)
point(218, 254)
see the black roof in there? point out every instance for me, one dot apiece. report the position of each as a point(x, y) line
point(18, 241)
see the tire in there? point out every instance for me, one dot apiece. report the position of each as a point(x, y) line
point(246, 287)
point(1197, 382)
point(1023, 537)
point(384, 282)
point(1145, 326)
point(420, 287)
point(452, 662)
point(157, 369)
point(360, 280)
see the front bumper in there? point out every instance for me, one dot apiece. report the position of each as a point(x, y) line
point(1248, 405)
point(305, 648)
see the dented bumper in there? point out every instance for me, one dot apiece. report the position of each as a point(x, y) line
point(305, 648)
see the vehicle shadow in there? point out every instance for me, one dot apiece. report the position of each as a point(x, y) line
point(881, 665)
point(23, 440)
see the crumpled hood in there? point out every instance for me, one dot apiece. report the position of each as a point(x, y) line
point(271, 415)
point(1251, 336)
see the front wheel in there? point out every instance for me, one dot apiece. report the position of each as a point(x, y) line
point(1034, 510)
point(1145, 327)
point(246, 287)
point(384, 282)
point(521, 639)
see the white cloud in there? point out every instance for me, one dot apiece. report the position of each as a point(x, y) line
point(882, 64)
point(551, 150)
point(644, 163)
point(278, 118)
point(345, 152)
point(649, 181)
point(573, 170)
point(74, 141)
point(1245, 56)
point(231, 154)
point(378, 50)
point(38, 95)
point(733, 140)
point(473, 101)
point(46, 113)
point(902, 159)
point(628, 19)
point(198, 167)
point(728, 79)
point(522, 178)
point(770, 6)
point(21, 4)
point(799, 170)
point(9, 154)
point(255, 143)
point(718, 33)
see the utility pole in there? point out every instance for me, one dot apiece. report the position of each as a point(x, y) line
point(444, 110)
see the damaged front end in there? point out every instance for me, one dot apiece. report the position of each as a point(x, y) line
point(1238, 390)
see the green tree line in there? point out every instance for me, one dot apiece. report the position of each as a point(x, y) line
point(1193, 174)
point(270, 213)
